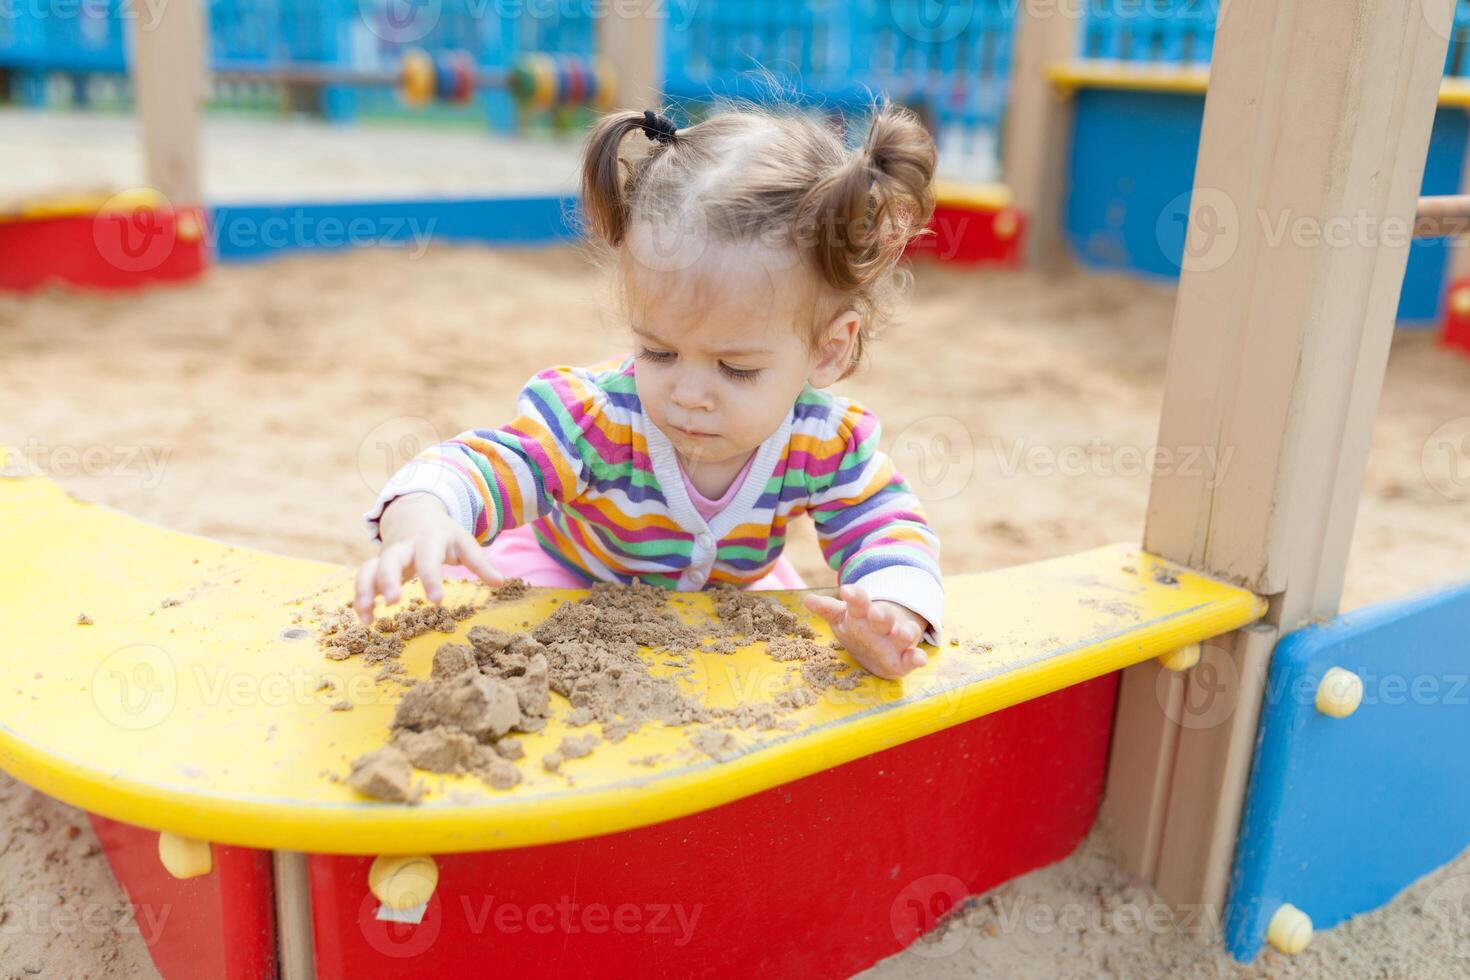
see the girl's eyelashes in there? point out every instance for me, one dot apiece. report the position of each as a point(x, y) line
point(738, 374)
point(666, 356)
point(657, 356)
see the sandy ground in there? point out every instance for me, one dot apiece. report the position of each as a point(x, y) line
point(266, 404)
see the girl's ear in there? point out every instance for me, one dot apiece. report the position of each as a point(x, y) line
point(836, 349)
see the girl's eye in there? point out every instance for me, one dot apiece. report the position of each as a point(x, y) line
point(657, 356)
point(739, 374)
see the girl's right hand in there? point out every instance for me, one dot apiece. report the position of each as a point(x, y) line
point(419, 538)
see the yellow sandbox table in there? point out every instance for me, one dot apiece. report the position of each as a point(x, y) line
point(174, 682)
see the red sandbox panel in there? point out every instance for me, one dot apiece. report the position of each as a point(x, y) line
point(218, 926)
point(820, 877)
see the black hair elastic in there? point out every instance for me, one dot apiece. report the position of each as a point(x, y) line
point(658, 127)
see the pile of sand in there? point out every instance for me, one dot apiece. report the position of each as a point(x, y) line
point(596, 654)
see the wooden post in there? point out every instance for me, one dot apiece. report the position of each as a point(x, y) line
point(1037, 137)
point(295, 951)
point(170, 87)
point(1316, 128)
point(630, 41)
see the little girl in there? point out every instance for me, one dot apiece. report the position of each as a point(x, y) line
point(756, 256)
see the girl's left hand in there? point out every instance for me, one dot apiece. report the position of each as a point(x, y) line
point(880, 635)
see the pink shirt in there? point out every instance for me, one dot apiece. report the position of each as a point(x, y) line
point(516, 553)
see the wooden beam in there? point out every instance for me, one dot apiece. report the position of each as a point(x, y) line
point(630, 40)
point(1216, 732)
point(295, 948)
point(1037, 136)
point(1316, 127)
point(170, 87)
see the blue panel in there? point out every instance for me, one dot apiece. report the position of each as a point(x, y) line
point(1132, 167)
point(1342, 814)
point(252, 231)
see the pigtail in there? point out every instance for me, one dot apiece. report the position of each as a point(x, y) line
point(606, 188)
point(865, 212)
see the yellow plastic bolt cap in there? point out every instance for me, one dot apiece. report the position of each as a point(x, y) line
point(1005, 225)
point(1339, 693)
point(403, 881)
point(1181, 659)
point(1460, 300)
point(1290, 929)
point(187, 227)
point(185, 857)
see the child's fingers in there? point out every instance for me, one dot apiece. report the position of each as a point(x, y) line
point(913, 658)
point(827, 607)
point(389, 577)
point(428, 561)
point(473, 557)
point(365, 594)
point(857, 600)
point(906, 633)
point(882, 618)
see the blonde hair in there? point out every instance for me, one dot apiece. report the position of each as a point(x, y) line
point(748, 174)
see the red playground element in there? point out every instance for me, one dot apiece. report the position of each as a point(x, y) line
point(218, 926)
point(1456, 331)
point(970, 230)
point(118, 248)
point(820, 877)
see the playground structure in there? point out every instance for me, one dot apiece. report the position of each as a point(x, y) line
point(1198, 810)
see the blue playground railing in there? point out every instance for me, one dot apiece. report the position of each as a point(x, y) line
point(947, 59)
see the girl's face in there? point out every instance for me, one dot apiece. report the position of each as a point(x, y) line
point(722, 349)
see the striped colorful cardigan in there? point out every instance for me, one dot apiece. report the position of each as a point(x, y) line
point(602, 486)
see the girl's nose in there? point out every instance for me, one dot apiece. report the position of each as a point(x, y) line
point(690, 393)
